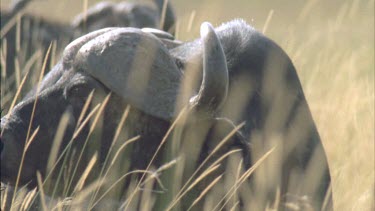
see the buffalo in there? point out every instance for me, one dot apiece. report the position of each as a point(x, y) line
point(231, 80)
point(126, 14)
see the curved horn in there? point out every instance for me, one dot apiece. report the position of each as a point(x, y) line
point(214, 87)
point(136, 66)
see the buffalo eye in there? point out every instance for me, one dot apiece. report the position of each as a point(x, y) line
point(77, 94)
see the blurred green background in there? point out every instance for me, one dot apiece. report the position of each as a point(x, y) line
point(332, 46)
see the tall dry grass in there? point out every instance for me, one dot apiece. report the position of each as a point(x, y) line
point(332, 46)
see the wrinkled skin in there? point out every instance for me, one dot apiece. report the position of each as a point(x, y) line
point(270, 102)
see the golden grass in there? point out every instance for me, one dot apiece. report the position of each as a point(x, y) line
point(332, 46)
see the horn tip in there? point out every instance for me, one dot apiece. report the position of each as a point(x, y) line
point(206, 29)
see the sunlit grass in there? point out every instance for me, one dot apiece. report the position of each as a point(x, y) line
point(334, 57)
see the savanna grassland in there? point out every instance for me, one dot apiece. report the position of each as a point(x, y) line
point(332, 46)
